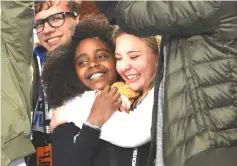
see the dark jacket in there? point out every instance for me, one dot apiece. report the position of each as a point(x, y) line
point(75, 147)
point(200, 74)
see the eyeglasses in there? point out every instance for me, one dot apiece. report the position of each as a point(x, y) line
point(55, 20)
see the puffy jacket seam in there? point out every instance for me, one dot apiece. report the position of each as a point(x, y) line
point(191, 65)
point(203, 86)
point(183, 68)
point(188, 42)
point(201, 111)
point(197, 108)
point(178, 120)
point(183, 117)
point(213, 60)
point(222, 82)
point(234, 85)
point(184, 142)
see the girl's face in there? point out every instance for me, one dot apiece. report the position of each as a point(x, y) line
point(95, 64)
point(136, 61)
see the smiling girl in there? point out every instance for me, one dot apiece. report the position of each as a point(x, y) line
point(92, 66)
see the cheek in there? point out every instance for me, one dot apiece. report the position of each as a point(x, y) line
point(112, 67)
point(67, 30)
point(150, 68)
point(118, 67)
point(139, 65)
point(80, 73)
point(40, 37)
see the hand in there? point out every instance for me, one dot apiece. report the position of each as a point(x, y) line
point(126, 104)
point(58, 118)
point(106, 103)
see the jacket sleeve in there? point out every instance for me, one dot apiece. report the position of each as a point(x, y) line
point(74, 147)
point(16, 79)
point(17, 29)
point(146, 18)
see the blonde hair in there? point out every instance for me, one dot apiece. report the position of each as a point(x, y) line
point(154, 43)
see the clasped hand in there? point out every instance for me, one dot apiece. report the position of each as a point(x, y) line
point(106, 103)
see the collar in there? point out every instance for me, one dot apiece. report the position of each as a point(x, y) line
point(41, 52)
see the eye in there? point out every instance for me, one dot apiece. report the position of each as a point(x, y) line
point(102, 56)
point(38, 24)
point(55, 18)
point(118, 58)
point(134, 56)
point(82, 62)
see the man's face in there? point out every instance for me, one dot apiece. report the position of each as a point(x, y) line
point(52, 37)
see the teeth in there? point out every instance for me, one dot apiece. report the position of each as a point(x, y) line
point(132, 77)
point(96, 75)
point(51, 40)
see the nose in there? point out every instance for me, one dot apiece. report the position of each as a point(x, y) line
point(47, 28)
point(94, 64)
point(124, 65)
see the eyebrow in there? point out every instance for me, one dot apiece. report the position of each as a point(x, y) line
point(97, 50)
point(129, 52)
point(81, 55)
point(102, 49)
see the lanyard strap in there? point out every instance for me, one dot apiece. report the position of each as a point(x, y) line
point(42, 97)
point(135, 159)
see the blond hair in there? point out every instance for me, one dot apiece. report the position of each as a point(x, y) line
point(154, 43)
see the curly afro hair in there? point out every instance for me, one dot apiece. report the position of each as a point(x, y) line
point(59, 77)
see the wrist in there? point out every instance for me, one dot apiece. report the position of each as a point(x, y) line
point(94, 121)
point(94, 126)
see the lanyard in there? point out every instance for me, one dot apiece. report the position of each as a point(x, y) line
point(135, 157)
point(42, 98)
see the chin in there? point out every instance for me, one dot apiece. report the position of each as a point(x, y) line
point(98, 87)
point(134, 87)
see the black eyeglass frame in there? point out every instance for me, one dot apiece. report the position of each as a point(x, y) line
point(42, 21)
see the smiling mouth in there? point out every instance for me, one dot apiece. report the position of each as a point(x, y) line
point(53, 40)
point(96, 76)
point(132, 77)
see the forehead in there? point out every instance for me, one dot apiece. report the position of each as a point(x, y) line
point(90, 45)
point(127, 42)
point(56, 7)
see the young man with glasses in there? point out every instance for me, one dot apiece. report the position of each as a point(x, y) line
point(54, 24)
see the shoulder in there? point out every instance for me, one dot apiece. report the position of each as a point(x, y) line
point(67, 129)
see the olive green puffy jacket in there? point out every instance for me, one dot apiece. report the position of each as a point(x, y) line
point(16, 80)
point(200, 93)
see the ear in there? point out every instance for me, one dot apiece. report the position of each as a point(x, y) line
point(78, 19)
